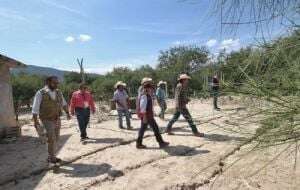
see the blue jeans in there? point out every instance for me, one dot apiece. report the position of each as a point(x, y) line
point(127, 116)
point(83, 118)
point(163, 106)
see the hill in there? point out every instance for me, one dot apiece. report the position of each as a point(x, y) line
point(43, 71)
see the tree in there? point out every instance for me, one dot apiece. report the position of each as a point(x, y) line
point(180, 59)
point(80, 64)
point(24, 88)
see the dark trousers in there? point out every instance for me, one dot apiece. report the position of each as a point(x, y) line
point(163, 106)
point(155, 128)
point(186, 114)
point(127, 116)
point(215, 98)
point(83, 118)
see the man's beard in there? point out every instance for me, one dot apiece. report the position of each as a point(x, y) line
point(52, 88)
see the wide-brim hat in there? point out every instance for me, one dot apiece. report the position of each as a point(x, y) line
point(119, 83)
point(146, 80)
point(184, 76)
point(161, 82)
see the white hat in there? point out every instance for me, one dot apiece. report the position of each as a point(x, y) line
point(184, 76)
point(119, 83)
point(146, 80)
point(161, 82)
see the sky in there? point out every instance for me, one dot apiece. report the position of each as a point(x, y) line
point(110, 33)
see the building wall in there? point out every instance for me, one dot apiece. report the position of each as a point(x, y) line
point(7, 113)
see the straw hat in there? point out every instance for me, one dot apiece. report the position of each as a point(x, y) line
point(184, 76)
point(119, 83)
point(161, 82)
point(146, 80)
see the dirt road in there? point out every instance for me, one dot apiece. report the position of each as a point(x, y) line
point(111, 161)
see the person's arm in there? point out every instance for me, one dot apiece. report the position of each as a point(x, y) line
point(36, 108)
point(65, 106)
point(179, 96)
point(72, 104)
point(143, 107)
point(92, 104)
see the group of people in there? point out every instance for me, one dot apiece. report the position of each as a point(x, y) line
point(49, 102)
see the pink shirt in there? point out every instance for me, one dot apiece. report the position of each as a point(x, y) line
point(82, 100)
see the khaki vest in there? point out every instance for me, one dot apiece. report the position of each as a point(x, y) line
point(50, 109)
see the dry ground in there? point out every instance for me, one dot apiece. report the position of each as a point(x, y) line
point(221, 160)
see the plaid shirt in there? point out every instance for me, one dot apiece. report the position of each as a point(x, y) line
point(181, 96)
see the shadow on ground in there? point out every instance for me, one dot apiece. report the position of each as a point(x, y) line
point(210, 137)
point(25, 157)
point(88, 170)
point(180, 150)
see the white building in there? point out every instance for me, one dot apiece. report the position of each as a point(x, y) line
point(8, 124)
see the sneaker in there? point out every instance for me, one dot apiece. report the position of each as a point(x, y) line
point(121, 127)
point(217, 109)
point(58, 160)
point(140, 146)
point(163, 144)
point(129, 128)
point(199, 134)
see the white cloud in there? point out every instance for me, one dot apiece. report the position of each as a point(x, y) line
point(186, 42)
point(62, 7)
point(13, 15)
point(211, 43)
point(84, 37)
point(177, 43)
point(69, 39)
point(230, 44)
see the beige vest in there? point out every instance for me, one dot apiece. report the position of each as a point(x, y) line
point(50, 109)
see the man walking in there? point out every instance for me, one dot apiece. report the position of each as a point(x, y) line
point(121, 99)
point(82, 104)
point(161, 98)
point(47, 105)
point(215, 91)
point(181, 100)
point(146, 115)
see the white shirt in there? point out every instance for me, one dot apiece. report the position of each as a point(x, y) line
point(143, 103)
point(38, 99)
point(121, 97)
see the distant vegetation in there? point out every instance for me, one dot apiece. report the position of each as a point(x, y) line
point(274, 66)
